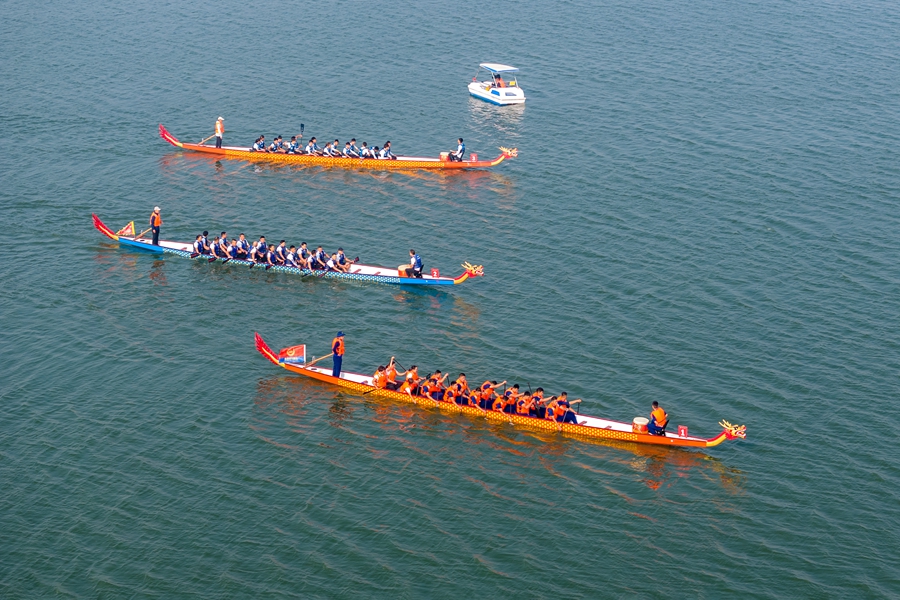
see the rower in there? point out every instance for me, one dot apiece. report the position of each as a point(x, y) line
point(331, 263)
point(271, 256)
point(347, 151)
point(451, 394)
point(430, 390)
point(276, 145)
point(243, 247)
point(412, 377)
point(303, 253)
point(198, 244)
point(281, 253)
point(486, 394)
point(510, 397)
point(658, 420)
point(214, 250)
point(233, 251)
point(337, 348)
point(379, 379)
point(291, 259)
point(294, 146)
point(332, 149)
point(260, 145)
point(354, 151)
point(461, 381)
point(550, 412)
point(262, 246)
point(457, 155)
point(342, 263)
point(364, 152)
point(391, 375)
point(223, 237)
point(415, 265)
point(255, 254)
point(375, 153)
point(312, 147)
point(537, 401)
point(386, 153)
point(317, 261)
point(206, 242)
point(565, 414)
point(525, 404)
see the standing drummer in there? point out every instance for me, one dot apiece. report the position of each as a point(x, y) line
point(658, 420)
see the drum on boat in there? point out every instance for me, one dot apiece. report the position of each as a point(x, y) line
point(445, 156)
point(639, 424)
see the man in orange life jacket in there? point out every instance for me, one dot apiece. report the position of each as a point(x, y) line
point(220, 131)
point(337, 347)
point(155, 222)
point(658, 420)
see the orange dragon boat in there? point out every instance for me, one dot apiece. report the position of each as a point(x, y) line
point(401, 162)
point(294, 360)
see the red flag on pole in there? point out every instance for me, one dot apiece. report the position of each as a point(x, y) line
point(293, 355)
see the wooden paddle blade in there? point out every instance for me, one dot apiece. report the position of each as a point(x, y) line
point(252, 265)
point(268, 267)
point(195, 254)
point(212, 260)
point(225, 261)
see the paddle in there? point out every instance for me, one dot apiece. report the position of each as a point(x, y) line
point(142, 233)
point(203, 141)
point(309, 364)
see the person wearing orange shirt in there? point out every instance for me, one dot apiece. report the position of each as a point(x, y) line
point(220, 131)
point(379, 379)
point(391, 375)
point(658, 420)
point(337, 348)
point(155, 222)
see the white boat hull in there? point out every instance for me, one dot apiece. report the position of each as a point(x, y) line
point(499, 96)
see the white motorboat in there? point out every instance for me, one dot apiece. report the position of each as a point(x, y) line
point(494, 88)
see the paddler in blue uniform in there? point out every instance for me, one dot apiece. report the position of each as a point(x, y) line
point(281, 253)
point(294, 146)
point(198, 244)
point(259, 145)
point(565, 414)
point(233, 250)
point(457, 155)
point(415, 265)
point(337, 348)
point(291, 259)
point(658, 420)
point(243, 247)
point(354, 151)
point(312, 148)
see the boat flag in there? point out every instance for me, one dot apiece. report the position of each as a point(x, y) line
point(127, 231)
point(293, 355)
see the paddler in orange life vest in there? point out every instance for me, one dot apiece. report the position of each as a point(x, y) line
point(379, 379)
point(220, 131)
point(391, 376)
point(155, 222)
point(658, 420)
point(337, 347)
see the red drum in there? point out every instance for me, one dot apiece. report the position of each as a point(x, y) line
point(639, 424)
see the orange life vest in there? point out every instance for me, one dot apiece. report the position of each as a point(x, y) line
point(155, 220)
point(391, 374)
point(379, 380)
point(450, 395)
point(338, 341)
point(498, 404)
point(660, 416)
point(220, 128)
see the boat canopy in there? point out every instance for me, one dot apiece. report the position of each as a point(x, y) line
point(496, 68)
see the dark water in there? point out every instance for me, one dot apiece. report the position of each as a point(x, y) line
point(704, 212)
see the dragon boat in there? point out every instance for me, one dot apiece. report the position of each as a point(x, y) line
point(402, 162)
point(358, 272)
point(294, 360)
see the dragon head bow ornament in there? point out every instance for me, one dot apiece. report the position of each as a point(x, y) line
point(734, 431)
point(473, 270)
point(510, 152)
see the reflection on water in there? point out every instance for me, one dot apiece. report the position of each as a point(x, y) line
point(505, 120)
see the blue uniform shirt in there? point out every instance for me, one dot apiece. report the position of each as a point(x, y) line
point(417, 262)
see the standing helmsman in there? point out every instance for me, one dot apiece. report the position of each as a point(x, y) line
point(220, 131)
point(155, 222)
point(337, 348)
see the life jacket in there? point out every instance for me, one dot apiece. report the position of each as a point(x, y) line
point(391, 374)
point(450, 395)
point(338, 346)
point(243, 245)
point(498, 404)
point(659, 416)
point(379, 380)
point(220, 128)
point(522, 406)
point(417, 261)
point(551, 412)
point(462, 383)
point(155, 220)
point(412, 375)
